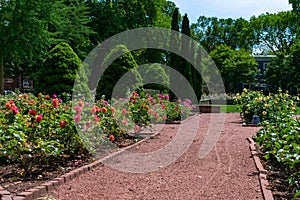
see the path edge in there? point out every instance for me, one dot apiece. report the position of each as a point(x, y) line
point(262, 176)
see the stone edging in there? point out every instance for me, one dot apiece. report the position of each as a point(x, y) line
point(44, 188)
point(264, 183)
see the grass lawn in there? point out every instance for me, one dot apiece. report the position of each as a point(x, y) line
point(229, 108)
point(234, 108)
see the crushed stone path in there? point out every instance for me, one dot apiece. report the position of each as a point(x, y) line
point(227, 172)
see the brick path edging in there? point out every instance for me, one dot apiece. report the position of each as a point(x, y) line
point(44, 188)
point(264, 183)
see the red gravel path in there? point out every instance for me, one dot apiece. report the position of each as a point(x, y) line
point(227, 172)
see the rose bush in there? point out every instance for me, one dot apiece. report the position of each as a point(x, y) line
point(36, 130)
point(280, 138)
point(266, 107)
point(280, 141)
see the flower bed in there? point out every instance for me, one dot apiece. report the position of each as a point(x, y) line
point(42, 137)
point(266, 107)
point(279, 139)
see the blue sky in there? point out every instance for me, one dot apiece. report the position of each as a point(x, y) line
point(230, 8)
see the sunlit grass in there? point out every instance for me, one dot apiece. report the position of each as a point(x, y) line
point(229, 108)
point(234, 109)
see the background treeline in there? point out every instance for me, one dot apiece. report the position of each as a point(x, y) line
point(31, 29)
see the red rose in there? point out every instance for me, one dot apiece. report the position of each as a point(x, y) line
point(55, 102)
point(15, 109)
point(32, 112)
point(39, 118)
point(111, 138)
point(8, 105)
point(63, 123)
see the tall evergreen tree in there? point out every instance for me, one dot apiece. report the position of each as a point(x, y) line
point(175, 20)
point(175, 60)
point(189, 72)
point(185, 65)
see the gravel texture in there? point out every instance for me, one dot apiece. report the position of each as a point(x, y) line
point(227, 172)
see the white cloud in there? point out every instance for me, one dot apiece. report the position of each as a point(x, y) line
point(230, 8)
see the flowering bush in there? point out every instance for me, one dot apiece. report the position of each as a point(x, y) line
point(266, 107)
point(35, 130)
point(281, 142)
point(280, 138)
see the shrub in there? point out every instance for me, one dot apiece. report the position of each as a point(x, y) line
point(37, 129)
point(281, 142)
point(266, 107)
point(59, 71)
point(280, 138)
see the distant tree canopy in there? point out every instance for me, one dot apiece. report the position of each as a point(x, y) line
point(262, 34)
point(274, 33)
point(29, 29)
point(211, 32)
point(235, 66)
point(284, 71)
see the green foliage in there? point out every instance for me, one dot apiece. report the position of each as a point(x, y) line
point(59, 71)
point(35, 130)
point(280, 138)
point(235, 66)
point(157, 74)
point(268, 108)
point(281, 142)
point(211, 32)
point(123, 64)
point(274, 32)
point(284, 68)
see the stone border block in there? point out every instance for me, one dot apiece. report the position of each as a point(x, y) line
point(264, 183)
